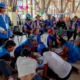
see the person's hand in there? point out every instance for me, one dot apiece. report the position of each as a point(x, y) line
point(4, 32)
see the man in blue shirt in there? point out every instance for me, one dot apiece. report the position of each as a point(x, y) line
point(28, 25)
point(30, 44)
point(51, 39)
point(49, 22)
point(37, 34)
point(4, 24)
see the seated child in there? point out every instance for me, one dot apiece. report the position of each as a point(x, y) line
point(5, 52)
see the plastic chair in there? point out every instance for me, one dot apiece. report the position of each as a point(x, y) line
point(18, 33)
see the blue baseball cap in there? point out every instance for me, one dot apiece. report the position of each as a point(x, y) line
point(41, 47)
point(32, 39)
point(2, 5)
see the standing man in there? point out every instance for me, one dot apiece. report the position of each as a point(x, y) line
point(4, 24)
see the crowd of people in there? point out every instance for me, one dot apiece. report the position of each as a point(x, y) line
point(33, 59)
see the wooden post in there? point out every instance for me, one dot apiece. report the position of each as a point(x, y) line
point(61, 7)
point(43, 5)
point(47, 6)
point(28, 6)
point(73, 6)
point(77, 6)
point(66, 5)
point(31, 8)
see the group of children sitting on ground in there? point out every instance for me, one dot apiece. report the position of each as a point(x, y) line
point(35, 61)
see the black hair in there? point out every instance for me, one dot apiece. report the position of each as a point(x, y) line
point(9, 44)
point(25, 52)
point(75, 17)
point(44, 50)
point(62, 40)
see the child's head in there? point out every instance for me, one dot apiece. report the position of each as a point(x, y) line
point(25, 52)
point(9, 45)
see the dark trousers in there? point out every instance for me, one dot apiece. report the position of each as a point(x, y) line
point(4, 68)
point(51, 74)
point(69, 34)
point(75, 34)
point(2, 41)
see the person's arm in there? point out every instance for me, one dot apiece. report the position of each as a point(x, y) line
point(65, 50)
point(2, 30)
point(7, 60)
point(8, 63)
point(45, 70)
point(50, 44)
point(45, 67)
point(27, 29)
